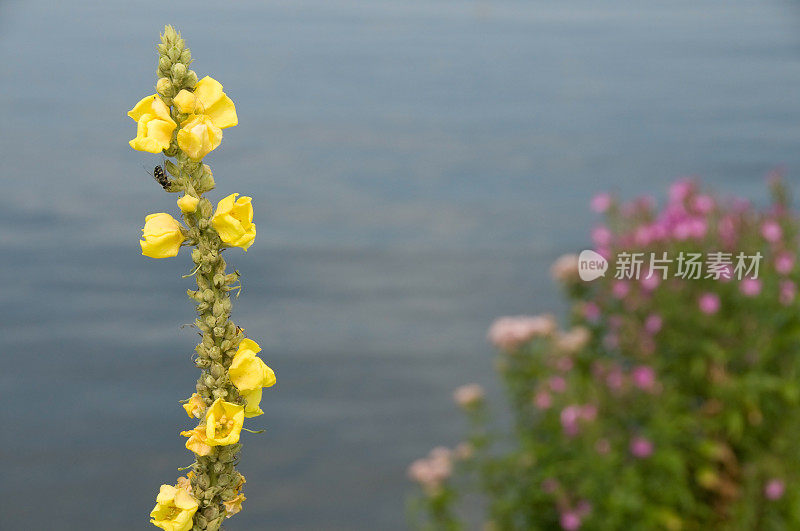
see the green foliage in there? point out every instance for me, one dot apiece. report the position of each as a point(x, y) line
point(666, 404)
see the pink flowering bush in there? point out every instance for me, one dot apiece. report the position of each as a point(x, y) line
point(672, 399)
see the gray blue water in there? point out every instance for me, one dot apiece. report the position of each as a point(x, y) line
point(415, 167)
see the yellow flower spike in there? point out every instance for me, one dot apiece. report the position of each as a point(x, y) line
point(234, 505)
point(154, 126)
point(162, 236)
point(247, 371)
point(188, 204)
point(224, 421)
point(233, 221)
point(197, 442)
point(174, 509)
point(252, 403)
point(195, 406)
point(209, 99)
point(198, 136)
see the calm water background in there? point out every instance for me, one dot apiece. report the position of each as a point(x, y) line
point(416, 166)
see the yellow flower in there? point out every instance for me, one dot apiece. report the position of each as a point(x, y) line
point(162, 236)
point(224, 421)
point(210, 111)
point(197, 442)
point(188, 203)
point(195, 406)
point(154, 125)
point(209, 99)
point(247, 372)
point(252, 403)
point(174, 509)
point(198, 136)
point(234, 505)
point(233, 221)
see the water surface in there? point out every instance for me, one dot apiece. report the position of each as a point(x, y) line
point(415, 166)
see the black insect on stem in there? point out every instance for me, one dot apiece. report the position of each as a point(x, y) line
point(161, 177)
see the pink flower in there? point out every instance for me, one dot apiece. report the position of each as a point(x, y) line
point(620, 289)
point(468, 396)
point(591, 312)
point(788, 291)
point(565, 268)
point(542, 400)
point(750, 287)
point(680, 190)
point(682, 231)
point(572, 341)
point(698, 228)
point(774, 489)
point(510, 333)
point(653, 324)
point(571, 414)
point(784, 263)
point(601, 203)
point(651, 280)
point(557, 384)
point(644, 377)
point(771, 231)
point(641, 448)
point(703, 203)
point(570, 521)
point(728, 230)
point(569, 420)
point(430, 472)
point(601, 236)
point(709, 303)
point(644, 235)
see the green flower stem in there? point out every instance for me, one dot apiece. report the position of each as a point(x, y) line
point(215, 478)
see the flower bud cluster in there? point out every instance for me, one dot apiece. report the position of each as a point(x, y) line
point(173, 66)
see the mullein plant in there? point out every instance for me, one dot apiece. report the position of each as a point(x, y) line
point(183, 121)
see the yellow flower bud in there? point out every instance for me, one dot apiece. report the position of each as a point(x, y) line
point(162, 236)
point(174, 509)
point(198, 136)
point(233, 221)
point(154, 125)
point(188, 203)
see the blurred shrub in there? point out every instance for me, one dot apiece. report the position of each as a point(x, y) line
point(670, 402)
